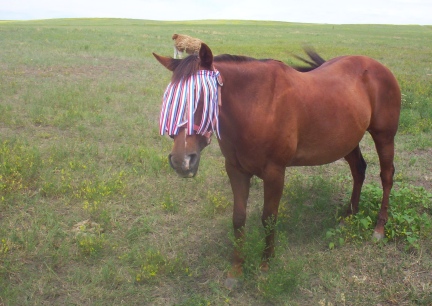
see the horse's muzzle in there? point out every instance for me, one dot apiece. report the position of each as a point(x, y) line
point(186, 166)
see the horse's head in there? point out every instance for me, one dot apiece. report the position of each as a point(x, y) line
point(186, 114)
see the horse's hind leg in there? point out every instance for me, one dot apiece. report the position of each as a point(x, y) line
point(358, 169)
point(384, 143)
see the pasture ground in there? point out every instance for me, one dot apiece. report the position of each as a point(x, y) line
point(91, 213)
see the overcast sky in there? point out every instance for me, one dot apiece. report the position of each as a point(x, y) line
point(309, 11)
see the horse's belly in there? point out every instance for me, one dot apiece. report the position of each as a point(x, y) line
point(324, 151)
point(317, 160)
point(326, 134)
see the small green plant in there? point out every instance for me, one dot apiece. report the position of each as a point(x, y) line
point(18, 168)
point(96, 190)
point(169, 205)
point(284, 276)
point(90, 245)
point(251, 249)
point(153, 264)
point(284, 279)
point(287, 272)
point(409, 217)
point(217, 202)
point(89, 237)
point(4, 246)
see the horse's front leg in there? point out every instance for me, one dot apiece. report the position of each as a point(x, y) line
point(273, 188)
point(240, 183)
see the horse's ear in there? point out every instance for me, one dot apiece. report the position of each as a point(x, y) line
point(206, 57)
point(168, 62)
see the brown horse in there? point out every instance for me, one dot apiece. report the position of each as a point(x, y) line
point(274, 116)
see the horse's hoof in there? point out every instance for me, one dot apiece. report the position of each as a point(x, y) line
point(231, 283)
point(377, 236)
point(264, 267)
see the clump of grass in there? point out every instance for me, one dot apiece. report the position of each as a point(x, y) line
point(410, 217)
point(93, 192)
point(144, 159)
point(89, 237)
point(19, 166)
point(169, 204)
point(4, 246)
point(148, 266)
point(283, 280)
point(285, 274)
point(217, 203)
point(153, 264)
point(6, 114)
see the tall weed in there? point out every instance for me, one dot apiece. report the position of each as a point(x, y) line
point(410, 217)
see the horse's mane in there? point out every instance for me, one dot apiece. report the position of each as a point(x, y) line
point(315, 59)
point(190, 65)
point(236, 58)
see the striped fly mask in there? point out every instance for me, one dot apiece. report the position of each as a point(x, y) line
point(180, 104)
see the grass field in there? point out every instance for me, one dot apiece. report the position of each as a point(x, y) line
point(91, 213)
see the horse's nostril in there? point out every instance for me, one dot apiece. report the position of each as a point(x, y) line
point(193, 159)
point(170, 161)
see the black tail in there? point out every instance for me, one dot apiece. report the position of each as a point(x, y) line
point(314, 63)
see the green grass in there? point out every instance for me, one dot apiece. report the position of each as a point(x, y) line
point(409, 219)
point(92, 214)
